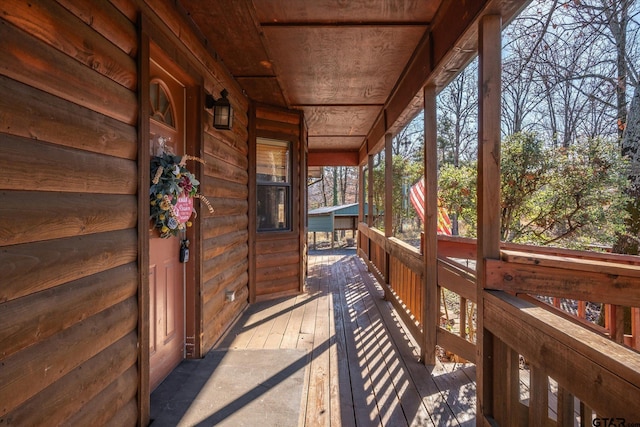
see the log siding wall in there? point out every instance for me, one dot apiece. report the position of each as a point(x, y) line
point(277, 256)
point(69, 310)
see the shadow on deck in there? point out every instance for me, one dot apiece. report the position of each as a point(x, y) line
point(335, 355)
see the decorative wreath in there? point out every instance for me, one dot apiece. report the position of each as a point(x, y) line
point(172, 189)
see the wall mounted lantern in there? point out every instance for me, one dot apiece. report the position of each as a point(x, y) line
point(222, 110)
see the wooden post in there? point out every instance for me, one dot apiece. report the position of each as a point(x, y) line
point(361, 203)
point(635, 327)
point(370, 190)
point(361, 200)
point(388, 201)
point(369, 201)
point(430, 306)
point(144, 391)
point(489, 86)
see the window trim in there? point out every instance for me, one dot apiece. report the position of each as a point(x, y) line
point(287, 185)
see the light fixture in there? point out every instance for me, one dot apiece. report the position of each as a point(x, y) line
point(222, 110)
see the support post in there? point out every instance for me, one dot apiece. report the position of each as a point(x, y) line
point(361, 200)
point(430, 306)
point(489, 86)
point(388, 201)
point(361, 203)
point(370, 190)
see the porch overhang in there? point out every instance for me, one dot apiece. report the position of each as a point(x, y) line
point(356, 69)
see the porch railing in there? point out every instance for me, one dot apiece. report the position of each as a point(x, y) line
point(540, 343)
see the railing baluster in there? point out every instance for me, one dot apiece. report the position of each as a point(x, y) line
point(538, 396)
point(616, 323)
point(582, 309)
point(506, 384)
point(565, 408)
point(586, 414)
point(463, 317)
point(635, 328)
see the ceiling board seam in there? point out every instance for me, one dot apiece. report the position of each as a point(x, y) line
point(419, 24)
point(336, 105)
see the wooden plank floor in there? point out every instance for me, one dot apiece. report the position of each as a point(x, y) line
point(362, 368)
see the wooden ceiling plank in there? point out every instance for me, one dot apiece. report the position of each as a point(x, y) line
point(333, 158)
point(336, 11)
point(312, 61)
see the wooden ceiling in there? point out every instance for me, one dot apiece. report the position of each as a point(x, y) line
point(340, 61)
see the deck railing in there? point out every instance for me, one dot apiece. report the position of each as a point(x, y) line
point(540, 343)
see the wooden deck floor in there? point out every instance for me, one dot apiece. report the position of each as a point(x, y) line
point(360, 372)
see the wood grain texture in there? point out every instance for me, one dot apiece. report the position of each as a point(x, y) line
point(225, 207)
point(565, 283)
point(55, 26)
point(128, 8)
point(488, 209)
point(217, 188)
point(334, 158)
point(599, 372)
point(608, 265)
point(108, 21)
point(54, 168)
point(268, 245)
point(65, 397)
point(72, 214)
point(331, 11)
point(217, 284)
point(221, 170)
point(277, 130)
point(34, 318)
point(272, 260)
point(62, 123)
point(274, 273)
point(109, 402)
point(214, 247)
point(222, 152)
point(224, 316)
point(215, 226)
point(35, 267)
point(225, 261)
point(37, 64)
point(340, 119)
point(23, 377)
point(310, 60)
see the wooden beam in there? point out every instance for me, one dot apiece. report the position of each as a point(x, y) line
point(144, 391)
point(361, 200)
point(599, 372)
point(370, 191)
point(388, 185)
point(333, 158)
point(252, 203)
point(564, 282)
point(456, 280)
point(430, 306)
point(489, 86)
point(388, 201)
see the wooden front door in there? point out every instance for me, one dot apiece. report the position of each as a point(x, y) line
point(166, 272)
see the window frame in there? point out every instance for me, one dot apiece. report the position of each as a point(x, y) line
point(287, 185)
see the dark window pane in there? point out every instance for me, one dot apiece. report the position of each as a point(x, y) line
point(273, 208)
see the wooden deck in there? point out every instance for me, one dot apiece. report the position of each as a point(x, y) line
point(359, 371)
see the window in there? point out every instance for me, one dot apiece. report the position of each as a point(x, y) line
point(273, 176)
point(160, 105)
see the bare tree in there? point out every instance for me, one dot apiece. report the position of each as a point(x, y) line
point(457, 111)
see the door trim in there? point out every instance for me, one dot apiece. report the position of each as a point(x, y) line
point(155, 43)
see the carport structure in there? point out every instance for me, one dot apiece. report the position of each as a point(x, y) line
point(330, 219)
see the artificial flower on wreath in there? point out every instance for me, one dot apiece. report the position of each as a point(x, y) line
point(170, 179)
